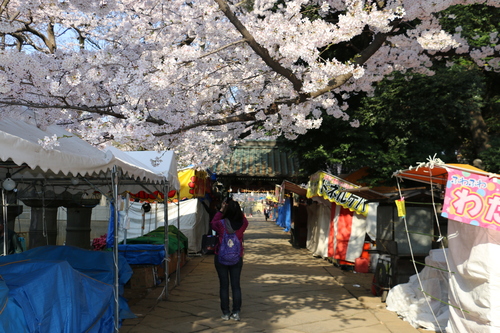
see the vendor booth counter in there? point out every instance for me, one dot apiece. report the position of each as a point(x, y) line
point(146, 256)
point(146, 276)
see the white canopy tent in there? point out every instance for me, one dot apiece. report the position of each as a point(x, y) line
point(163, 163)
point(19, 143)
point(25, 160)
point(71, 157)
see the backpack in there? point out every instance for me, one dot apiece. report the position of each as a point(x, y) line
point(230, 247)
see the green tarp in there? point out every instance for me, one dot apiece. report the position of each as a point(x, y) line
point(157, 237)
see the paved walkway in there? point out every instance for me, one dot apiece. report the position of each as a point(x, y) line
point(285, 290)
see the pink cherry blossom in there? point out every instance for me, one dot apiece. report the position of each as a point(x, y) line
point(197, 77)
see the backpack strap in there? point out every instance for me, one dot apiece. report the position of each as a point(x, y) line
point(227, 224)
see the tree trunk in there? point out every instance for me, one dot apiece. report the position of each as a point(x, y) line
point(479, 130)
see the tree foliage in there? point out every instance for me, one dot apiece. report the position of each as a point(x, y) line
point(453, 114)
point(410, 118)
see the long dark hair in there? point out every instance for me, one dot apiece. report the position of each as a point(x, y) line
point(234, 214)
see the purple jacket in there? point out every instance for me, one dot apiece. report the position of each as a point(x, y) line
point(217, 224)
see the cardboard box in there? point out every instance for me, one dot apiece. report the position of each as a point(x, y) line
point(172, 264)
point(147, 276)
point(144, 276)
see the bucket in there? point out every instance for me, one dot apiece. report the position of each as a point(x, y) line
point(362, 265)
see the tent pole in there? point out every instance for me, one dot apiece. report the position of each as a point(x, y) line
point(165, 218)
point(114, 177)
point(5, 223)
point(178, 267)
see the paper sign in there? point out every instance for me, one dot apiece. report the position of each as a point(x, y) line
point(400, 204)
point(473, 199)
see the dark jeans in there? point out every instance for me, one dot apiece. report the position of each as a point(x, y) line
point(227, 274)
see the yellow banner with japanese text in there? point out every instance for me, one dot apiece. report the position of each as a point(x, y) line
point(335, 189)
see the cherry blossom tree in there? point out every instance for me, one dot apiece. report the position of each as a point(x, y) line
point(199, 76)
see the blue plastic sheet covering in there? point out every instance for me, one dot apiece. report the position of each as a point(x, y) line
point(284, 219)
point(110, 236)
point(11, 314)
point(142, 254)
point(61, 289)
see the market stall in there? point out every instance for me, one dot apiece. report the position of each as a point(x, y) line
point(338, 227)
point(52, 167)
point(470, 204)
point(190, 216)
point(292, 214)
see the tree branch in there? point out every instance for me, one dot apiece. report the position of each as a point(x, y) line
point(213, 122)
point(48, 41)
point(359, 60)
point(3, 6)
point(338, 81)
point(452, 53)
point(261, 51)
point(223, 47)
point(92, 109)
point(273, 109)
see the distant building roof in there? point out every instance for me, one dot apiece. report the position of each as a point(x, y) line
point(258, 160)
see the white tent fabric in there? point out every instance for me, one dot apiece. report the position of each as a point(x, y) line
point(19, 142)
point(371, 220)
point(318, 227)
point(194, 221)
point(165, 164)
point(133, 167)
point(475, 287)
point(408, 301)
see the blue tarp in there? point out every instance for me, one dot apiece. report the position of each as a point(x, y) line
point(60, 289)
point(284, 219)
point(11, 314)
point(142, 254)
point(110, 237)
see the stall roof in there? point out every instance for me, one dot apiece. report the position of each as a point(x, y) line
point(377, 193)
point(292, 187)
point(436, 173)
point(165, 164)
point(20, 149)
point(72, 156)
point(133, 167)
point(19, 143)
point(370, 194)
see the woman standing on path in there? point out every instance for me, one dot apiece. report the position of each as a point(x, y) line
point(230, 218)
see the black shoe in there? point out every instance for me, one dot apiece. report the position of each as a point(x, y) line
point(235, 316)
point(225, 317)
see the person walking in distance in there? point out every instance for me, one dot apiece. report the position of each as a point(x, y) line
point(230, 224)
